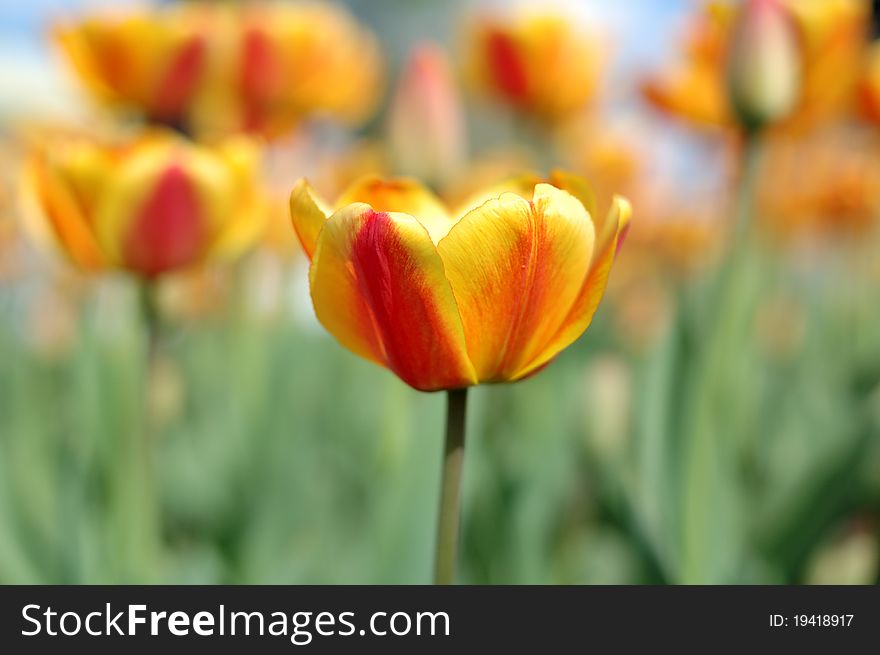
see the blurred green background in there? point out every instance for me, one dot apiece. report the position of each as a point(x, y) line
point(275, 456)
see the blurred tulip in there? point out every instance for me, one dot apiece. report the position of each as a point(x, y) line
point(823, 184)
point(217, 69)
point(151, 62)
point(276, 64)
point(763, 64)
point(830, 43)
point(426, 127)
point(448, 301)
point(150, 206)
point(540, 65)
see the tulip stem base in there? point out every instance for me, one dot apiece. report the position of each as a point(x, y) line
point(450, 492)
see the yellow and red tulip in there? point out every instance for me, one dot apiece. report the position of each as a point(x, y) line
point(217, 69)
point(150, 206)
point(541, 65)
point(277, 64)
point(147, 62)
point(446, 299)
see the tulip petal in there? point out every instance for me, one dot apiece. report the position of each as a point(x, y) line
point(308, 213)
point(401, 195)
point(593, 288)
point(166, 232)
point(378, 286)
point(516, 268)
point(65, 217)
point(179, 82)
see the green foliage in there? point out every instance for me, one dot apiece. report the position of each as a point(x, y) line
point(289, 460)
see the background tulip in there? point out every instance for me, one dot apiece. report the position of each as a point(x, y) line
point(426, 126)
point(274, 65)
point(150, 205)
point(140, 62)
point(539, 64)
point(449, 301)
point(215, 69)
point(818, 48)
point(764, 64)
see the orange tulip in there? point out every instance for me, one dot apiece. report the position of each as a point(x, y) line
point(448, 300)
point(538, 64)
point(149, 206)
point(277, 64)
point(831, 47)
point(217, 69)
point(826, 185)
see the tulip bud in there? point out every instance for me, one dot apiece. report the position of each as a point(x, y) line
point(426, 127)
point(764, 66)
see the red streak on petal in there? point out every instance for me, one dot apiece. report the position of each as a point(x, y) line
point(167, 232)
point(176, 88)
point(530, 291)
point(402, 311)
point(507, 67)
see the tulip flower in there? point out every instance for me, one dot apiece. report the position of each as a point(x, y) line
point(540, 65)
point(448, 300)
point(826, 35)
point(149, 206)
point(763, 64)
point(278, 64)
point(216, 69)
point(426, 126)
point(151, 63)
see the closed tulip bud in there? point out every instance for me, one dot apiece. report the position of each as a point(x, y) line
point(764, 66)
point(426, 127)
point(446, 300)
point(149, 206)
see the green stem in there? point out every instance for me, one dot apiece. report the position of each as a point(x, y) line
point(448, 516)
point(142, 524)
point(152, 321)
point(727, 321)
